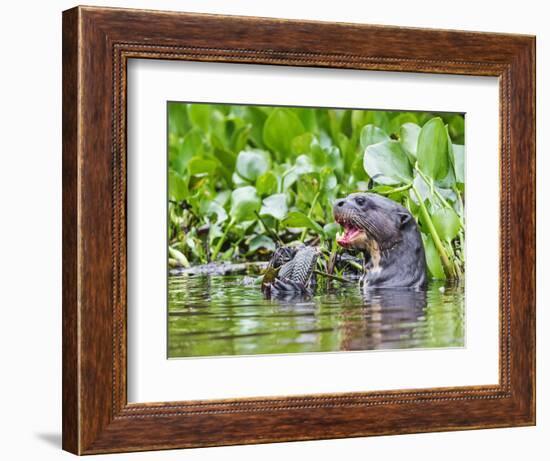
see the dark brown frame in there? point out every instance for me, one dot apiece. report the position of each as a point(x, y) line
point(97, 43)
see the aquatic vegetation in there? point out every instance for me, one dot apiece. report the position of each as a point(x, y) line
point(243, 179)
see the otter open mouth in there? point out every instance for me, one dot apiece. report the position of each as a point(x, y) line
point(351, 236)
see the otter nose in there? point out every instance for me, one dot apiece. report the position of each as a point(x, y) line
point(340, 203)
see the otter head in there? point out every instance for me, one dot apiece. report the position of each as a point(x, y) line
point(370, 220)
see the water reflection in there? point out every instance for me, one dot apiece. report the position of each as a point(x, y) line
point(224, 315)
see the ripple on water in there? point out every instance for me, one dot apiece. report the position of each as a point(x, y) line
point(221, 315)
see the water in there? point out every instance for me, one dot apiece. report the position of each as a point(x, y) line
point(226, 315)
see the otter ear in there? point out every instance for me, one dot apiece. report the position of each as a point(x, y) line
point(403, 218)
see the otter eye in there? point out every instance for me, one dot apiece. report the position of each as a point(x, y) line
point(360, 201)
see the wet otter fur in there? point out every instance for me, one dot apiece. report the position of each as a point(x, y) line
point(388, 235)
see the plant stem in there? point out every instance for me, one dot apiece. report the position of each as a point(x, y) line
point(269, 230)
point(329, 276)
point(397, 189)
point(459, 198)
point(218, 246)
point(449, 268)
point(310, 212)
point(434, 189)
point(283, 177)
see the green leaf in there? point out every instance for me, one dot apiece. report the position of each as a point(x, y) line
point(240, 138)
point(302, 166)
point(261, 241)
point(178, 123)
point(299, 219)
point(256, 117)
point(330, 230)
point(302, 144)
point(371, 134)
point(253, 163)
point(423, 188)
point(266, 184)
point(447, 223)
point(199, 165)
point(190, 146)
point(432, 150)
point(280, 128)
point(200, 115)
point(432, 258)
point(275, 205)
point(177, 186)
point(458, 154)
point(215, 208)
point(244, 203)
point(456, 128)
point(307, 116)
point(408, 135)
point(386, 163)
point(401, 119)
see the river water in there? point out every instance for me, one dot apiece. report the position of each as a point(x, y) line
point(228, 315)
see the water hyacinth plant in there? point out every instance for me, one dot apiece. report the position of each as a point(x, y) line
point(243, 179)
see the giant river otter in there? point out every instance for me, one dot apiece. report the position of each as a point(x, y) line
point(388, 235)
point(382, 229)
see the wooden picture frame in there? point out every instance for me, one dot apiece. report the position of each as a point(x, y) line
point(97, 43)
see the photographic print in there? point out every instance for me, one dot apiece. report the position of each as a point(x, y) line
point(300, 229)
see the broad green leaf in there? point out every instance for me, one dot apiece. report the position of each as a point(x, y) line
point(302, 166)
point(302, 144)
point(244, 203)
point(432, 258)
point(330, 230)
point(447, 223)
point(240, 138)
point(199, 165)
point(227, 158)
point(371, 134)
point(432, 150)
point(177, 186)
point(307, 116)
point(280, 128)
point(408, 135)
point(422, 187)
point(178, 122)
point(261, 241)
point(252, 163)
point(200, 115)
point(334, 159)
point(299, 219)
point(266, 184)
point(223, 197)
point(386, 163)
point(458, 154)
point(238, 180)
point(215, 208)
point(275, 205)
point(377, 118)
point(190, 146)
point(256, 117)
point(456, 128)
point(308, 187)
point(402, 118)
point(329, 181)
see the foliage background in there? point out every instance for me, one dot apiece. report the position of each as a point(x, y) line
point(244, 178)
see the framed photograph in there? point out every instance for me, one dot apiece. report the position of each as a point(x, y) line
point(284, 230)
